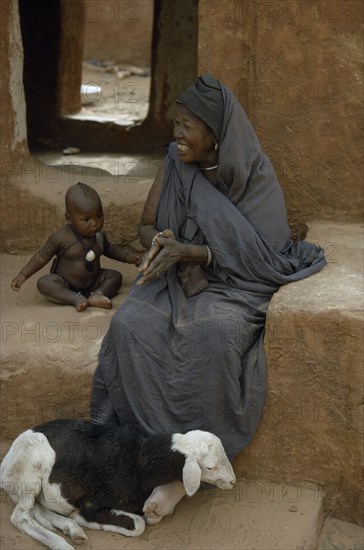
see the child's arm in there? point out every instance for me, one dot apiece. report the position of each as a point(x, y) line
point(120, 253)
point(39, 260)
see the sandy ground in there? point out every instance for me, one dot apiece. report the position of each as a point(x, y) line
point(212, 520)
point(124, 95)
point(209, 521)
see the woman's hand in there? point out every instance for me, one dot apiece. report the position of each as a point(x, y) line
point(163, 254)
point(155, 248)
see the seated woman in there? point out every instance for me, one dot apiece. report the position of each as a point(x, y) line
point(185, 350)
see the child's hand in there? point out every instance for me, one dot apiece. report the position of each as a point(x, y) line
point(134, 259)
point(18, 281)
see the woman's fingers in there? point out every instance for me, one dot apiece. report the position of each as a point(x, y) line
point(151, 271)
point(147, 278)
point(149, 257)
point(164, 253)
point(154, 250)
point(168, 234)
point(155, 268)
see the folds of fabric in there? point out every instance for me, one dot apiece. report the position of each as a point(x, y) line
point(175, 364)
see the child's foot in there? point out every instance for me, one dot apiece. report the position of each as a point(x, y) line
point(80, 302)
point(97, 299)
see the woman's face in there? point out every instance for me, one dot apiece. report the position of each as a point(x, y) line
point(195, 140)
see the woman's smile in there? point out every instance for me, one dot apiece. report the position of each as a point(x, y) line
point(195, 140)
point(182, 148)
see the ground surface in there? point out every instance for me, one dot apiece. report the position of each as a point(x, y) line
point(216, 520)
point(124, 95)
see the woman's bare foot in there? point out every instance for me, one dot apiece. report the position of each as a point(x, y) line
point(97, 299)
point(80, 302)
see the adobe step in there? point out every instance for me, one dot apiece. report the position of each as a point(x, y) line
point(313, 345)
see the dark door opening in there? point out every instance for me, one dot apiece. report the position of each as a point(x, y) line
point(139, 97)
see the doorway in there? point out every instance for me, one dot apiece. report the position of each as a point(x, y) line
point(116, 67)
point(62, 51)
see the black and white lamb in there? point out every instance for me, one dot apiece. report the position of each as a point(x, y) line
point(70, 474)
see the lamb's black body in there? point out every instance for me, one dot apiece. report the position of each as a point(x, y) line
point(69, 474)
point(112, 466)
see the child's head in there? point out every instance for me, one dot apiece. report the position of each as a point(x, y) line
point(84, 210)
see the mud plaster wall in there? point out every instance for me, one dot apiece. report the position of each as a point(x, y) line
point(296, 67)
point(174, 58)
point(12, 112)
point(119, 31)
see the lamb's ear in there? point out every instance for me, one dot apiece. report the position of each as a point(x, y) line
point(191, 476)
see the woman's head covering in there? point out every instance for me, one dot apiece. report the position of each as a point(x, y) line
point(242, 165)
point(204, 99)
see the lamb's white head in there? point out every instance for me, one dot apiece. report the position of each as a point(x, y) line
point(206, 460)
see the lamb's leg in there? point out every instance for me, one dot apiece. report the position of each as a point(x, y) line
point(162, 501)
point(22, 475)
point(50, 519)
point(21, 518)
point(117, 521)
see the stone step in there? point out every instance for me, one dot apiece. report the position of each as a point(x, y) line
point(49, 352)
point(255, 515)
point(314, 410)
point(341, 535)
point(313, 346)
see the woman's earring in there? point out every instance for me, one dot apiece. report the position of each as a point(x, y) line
point(216, 146)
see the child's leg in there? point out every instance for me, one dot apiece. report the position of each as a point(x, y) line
point(108, 284)
point(55, 288)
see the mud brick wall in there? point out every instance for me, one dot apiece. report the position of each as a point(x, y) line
point(296, 67)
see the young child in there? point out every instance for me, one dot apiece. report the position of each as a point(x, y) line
point(76, 276)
